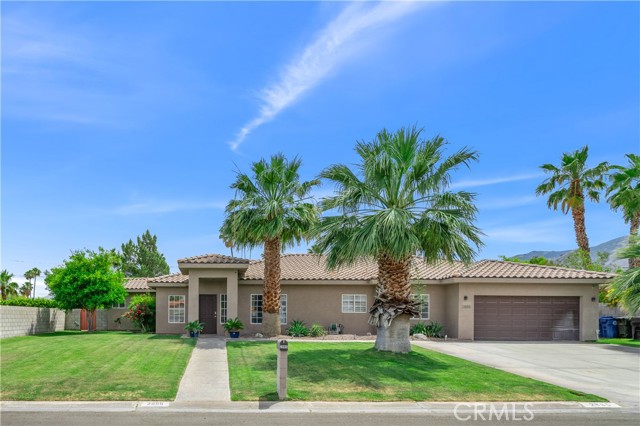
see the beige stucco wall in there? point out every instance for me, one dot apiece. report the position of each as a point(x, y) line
point(588, 309)
point(437, 305)
point(451, 304)
point(312, 303)
point(162, 310)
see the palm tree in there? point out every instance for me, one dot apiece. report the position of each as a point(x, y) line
point(273, 209)
point(5, 283)
point(626, 286)
point(624, 194)
point(394, 206)
point(26, 288)
point(568, 186)
point(33, 274)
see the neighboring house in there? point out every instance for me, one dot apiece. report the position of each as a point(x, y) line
point(487, 300)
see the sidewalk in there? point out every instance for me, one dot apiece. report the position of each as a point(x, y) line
point(207, 375)
point(306, 407)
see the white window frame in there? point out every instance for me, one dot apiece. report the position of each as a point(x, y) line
point(176, 311)
point(283, 308)
point(223, 308)
point(354, 299)
point(122, 305)
point(424, 300)
point(251, 318)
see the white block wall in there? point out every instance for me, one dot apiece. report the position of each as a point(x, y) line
point(23, 321)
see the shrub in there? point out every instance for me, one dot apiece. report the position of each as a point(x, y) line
point(418, 328)
point(39, 302)
point(298, 329)
point(142, 312)
point(317, 330)
point(433, 329)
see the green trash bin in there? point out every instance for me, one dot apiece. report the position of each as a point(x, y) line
point(624, 327)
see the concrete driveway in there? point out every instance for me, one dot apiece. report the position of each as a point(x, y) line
point(610, 371)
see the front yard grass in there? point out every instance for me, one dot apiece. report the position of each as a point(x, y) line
point(101, 366)
point(621, 341)
point(357, 372)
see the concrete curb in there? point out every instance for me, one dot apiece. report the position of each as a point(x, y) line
point(305, 407)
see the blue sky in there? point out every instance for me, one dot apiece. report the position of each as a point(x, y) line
point(121, 117)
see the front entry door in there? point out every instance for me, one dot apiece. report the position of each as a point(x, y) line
point(208, 314)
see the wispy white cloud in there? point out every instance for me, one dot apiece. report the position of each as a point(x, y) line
point(493, 181)
point(332, 47)
point(170, 206)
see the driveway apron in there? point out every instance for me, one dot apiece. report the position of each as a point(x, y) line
point(207, 375)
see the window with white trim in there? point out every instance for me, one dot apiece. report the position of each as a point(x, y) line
point(283, 309)
point(223, 308)
point(121, 305)
point(354, 303)
point(256, 309)
point(423, 306)
point(176, 309)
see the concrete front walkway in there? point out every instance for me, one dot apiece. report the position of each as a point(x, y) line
point(610, 371)
point(207, 375)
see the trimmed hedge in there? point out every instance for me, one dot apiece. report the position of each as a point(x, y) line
point(39, 302)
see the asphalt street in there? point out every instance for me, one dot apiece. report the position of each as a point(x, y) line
point(17, 418)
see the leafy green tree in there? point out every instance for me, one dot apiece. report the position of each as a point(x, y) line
point(626, 286)
point(33, 274)
point(569, 185)
point(5, 283)
point(624, 194)
point(272, 208)
point(25, 289)
point(87, 280)
point(396, 204)
point(538, 260)
point(142, 258)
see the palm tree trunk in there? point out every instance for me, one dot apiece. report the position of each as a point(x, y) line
point(581, 234)
point(393, 307)
point(634, 262)
point(271, 291)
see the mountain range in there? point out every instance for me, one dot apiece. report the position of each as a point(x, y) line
point(609, 247)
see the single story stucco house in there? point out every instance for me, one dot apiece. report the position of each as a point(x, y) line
point(487, 300)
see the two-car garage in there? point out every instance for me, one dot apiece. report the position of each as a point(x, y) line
point(526, 318)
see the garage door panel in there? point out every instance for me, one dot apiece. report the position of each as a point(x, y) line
point(526, 318)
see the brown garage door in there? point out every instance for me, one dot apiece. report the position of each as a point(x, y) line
point(526, 318)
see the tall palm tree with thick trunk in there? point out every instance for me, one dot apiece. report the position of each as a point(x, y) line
point(568, 187)
point(624, 194)
point(393, 206)
point(273, 209)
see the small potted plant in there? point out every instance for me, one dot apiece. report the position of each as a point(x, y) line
point(194, 328)
point(233, 327)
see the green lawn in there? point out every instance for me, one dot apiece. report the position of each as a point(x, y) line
point(68, 366)
point(624, 342)
point(356, 372)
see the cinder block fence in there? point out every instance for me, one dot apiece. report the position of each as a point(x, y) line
point(23, 321)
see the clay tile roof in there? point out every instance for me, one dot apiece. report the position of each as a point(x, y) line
point(136, 284)
point(212, 259)
point(170, 279)
point(504, 269)
point(313, 267)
